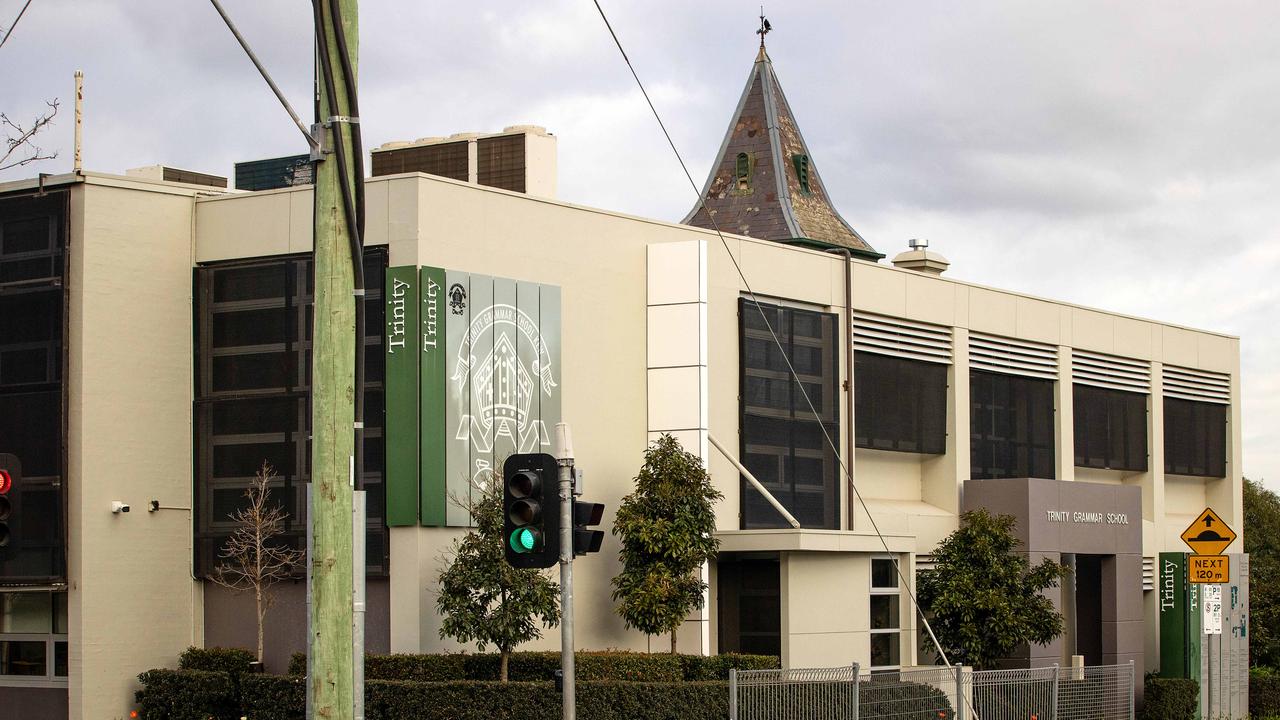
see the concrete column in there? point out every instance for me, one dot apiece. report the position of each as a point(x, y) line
point(1064, 425)
point(943, 479)
point(961, 409)
point(1154, 530)
point(676, 362)
point(1226, 495)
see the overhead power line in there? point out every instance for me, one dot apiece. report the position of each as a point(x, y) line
point(781, 350)
point(263, 71)
point(5, 39)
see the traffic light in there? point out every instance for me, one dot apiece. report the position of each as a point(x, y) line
point(531, 510)
point(586, 514)
point(10, 480)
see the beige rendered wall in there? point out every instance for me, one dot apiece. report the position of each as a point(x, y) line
point(826, 615)
point(599, 260)
point(132, 603)
point(789, 274)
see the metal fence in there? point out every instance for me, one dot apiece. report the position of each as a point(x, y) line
point(936, 693)
point(1099, 692)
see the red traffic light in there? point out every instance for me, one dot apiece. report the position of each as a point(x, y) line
point(6, 482)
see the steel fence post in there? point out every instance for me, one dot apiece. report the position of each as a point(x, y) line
point(857, 695)
point(1053, 711)
point(1133, 688)
point(733, 694)
point(959, 691)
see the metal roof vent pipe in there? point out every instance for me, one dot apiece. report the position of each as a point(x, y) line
point(920, 259)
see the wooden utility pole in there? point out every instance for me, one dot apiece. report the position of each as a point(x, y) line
point(333, 388)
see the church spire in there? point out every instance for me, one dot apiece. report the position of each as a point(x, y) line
point(764, 182)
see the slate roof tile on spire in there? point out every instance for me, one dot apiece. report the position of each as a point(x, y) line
point(764, 182)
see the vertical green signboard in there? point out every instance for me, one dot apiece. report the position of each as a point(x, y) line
point(433, 365)
point(1180, 619)
point(401, 381)
point(1173, 599)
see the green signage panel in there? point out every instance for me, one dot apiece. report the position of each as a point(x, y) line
point(1180, 620)
point(1173, 598)
point(488, 381)
point(433, 366)
point(401, 429)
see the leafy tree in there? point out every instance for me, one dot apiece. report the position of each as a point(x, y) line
point(1262, 542)
point(983, 598)
point(253, 559)
point(482, 598)
point(666, 528)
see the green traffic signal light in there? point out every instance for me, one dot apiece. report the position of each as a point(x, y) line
point(531, 511)
point(524, 540)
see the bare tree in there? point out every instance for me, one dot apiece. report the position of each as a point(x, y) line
point(252, 560)
point(18, 138)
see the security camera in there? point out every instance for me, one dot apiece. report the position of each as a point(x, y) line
point(119, 507)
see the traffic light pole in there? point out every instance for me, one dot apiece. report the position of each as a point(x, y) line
point(564, 458)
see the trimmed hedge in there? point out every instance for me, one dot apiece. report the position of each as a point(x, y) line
point(216, 659)
point(477, 700)
point(1170, 699)
point(1264, 693)
point(188, 694)
point(271, 697)
point(185, 694)
point(716, 667)
point(608, 666)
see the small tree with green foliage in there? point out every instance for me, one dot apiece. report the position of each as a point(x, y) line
point(983, 598)
point(666, 528)
point(483, 599)
point(1262, 542)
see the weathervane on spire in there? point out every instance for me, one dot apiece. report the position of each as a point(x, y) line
point(765, 27)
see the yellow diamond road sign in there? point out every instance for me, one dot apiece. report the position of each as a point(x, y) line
point(1208, 535)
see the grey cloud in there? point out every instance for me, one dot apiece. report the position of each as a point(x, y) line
point(1116, 155)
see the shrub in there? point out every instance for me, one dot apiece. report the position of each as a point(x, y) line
point(1264, 693)
point(1170, 699)
point(272, 697)
point(607, 666)
point(216, 659)
point(902, 701)
point(189, 694)
point(400, 700)
point(421, 668)
point(183, 694)
point(716, 667)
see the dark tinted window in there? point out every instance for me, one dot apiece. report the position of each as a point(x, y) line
point(1110, 428)
point(1195, 438)
point(253, 354)
point(900, 404)
point(1011, 426)
point(782, 441)
point(32, 288)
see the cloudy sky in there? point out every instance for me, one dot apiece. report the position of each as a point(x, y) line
point(1118, 155)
